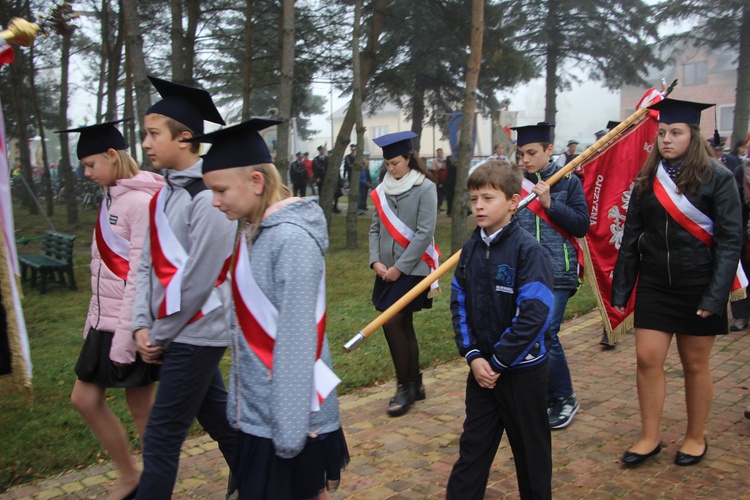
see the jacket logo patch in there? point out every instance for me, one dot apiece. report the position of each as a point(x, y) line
point(506, 278)
point(113, 219)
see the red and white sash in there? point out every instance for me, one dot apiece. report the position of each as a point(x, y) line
point(536, 206)
point(259, 320)
point(402, 233)
point(689, 217)
point(169, 260)
point(113, 248)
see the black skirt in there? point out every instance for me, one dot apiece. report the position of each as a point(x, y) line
point(385, 294)
point(672, 309)
point(260, 474)
point(95, 367)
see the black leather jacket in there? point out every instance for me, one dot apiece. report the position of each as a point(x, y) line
point(660, 251)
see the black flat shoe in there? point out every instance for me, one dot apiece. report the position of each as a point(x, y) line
point(685, 460)
point(631, 459)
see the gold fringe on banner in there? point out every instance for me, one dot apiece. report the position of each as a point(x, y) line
point(736, 295)
point(613, 335)
point(16, 382)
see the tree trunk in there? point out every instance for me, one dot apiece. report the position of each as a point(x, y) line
point(128, 107)
point(47, 184)
point(742, 99)
point(368, 62)
point(458, 226)
point(104, 33)
point(550, 65)
point(65, 168)
point(183, 40)
point(247, 60)
point(417, 116)
point(18, 85)
point(353, 205)
point(286, 87)
point(137, 64)
point(114, 61)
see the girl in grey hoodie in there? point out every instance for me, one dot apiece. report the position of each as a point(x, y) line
point(282, 389)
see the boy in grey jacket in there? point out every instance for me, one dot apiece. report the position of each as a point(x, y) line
point(183, 302)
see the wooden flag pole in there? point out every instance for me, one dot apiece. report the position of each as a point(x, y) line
point(373, 326)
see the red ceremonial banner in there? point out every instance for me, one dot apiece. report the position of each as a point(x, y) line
point(608, 180)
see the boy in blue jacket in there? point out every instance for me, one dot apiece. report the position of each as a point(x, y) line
point(501, 302)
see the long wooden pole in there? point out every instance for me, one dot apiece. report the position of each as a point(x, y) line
point(453, 260)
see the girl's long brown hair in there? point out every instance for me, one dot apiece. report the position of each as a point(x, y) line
point(696, 165)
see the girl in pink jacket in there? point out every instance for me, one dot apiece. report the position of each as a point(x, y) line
point(108, 358)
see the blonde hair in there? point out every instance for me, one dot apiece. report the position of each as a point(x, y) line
point(274, 190)
point(125, 166)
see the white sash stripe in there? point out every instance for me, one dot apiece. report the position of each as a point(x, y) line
point(406, 231)
point(392, 217)
point(114, 241)
point(173, 251)
point(682, 203)
point(267, 316)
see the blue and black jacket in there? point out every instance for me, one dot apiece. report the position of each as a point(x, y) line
point(570, 213)
point(501, 300)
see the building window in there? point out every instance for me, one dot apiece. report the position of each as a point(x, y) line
point(378, 131)
point(726, 118)
point(696, 73)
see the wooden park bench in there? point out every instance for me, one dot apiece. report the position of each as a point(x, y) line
point(57, 259)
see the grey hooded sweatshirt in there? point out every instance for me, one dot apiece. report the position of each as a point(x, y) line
point(207, 237)
point(287, 261)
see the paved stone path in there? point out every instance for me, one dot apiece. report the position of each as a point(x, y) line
point(410, 457)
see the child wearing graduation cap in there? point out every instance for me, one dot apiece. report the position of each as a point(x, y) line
point(402, 253)
point(680, 250)
point(183, 303)
point(108, 357)
point(556, 219)
point(282, 389)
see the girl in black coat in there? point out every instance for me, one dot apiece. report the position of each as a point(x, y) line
point(682, 243)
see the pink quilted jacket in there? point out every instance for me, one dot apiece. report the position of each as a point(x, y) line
point(111, 306)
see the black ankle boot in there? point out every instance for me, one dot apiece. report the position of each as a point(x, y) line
point(417, 389)
point(401, 402)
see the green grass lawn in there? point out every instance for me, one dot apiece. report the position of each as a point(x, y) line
point(47, 436)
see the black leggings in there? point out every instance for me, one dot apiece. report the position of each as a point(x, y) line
point(402, 341)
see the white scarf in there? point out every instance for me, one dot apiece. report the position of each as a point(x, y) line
point(395, 187)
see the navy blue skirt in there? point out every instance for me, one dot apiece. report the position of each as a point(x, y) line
point(385, 294)
point(672, 309)
point(260, 474)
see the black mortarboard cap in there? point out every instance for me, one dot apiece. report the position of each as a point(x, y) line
point(541, 132)
point(675, 111)
point(95, 139)
point(237, 146)
point(612, 124)
point(187, 105)
point(398, 143)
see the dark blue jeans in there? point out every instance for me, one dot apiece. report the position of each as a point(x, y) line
point(363, 191)
point(190, 386)
point(560, 384)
